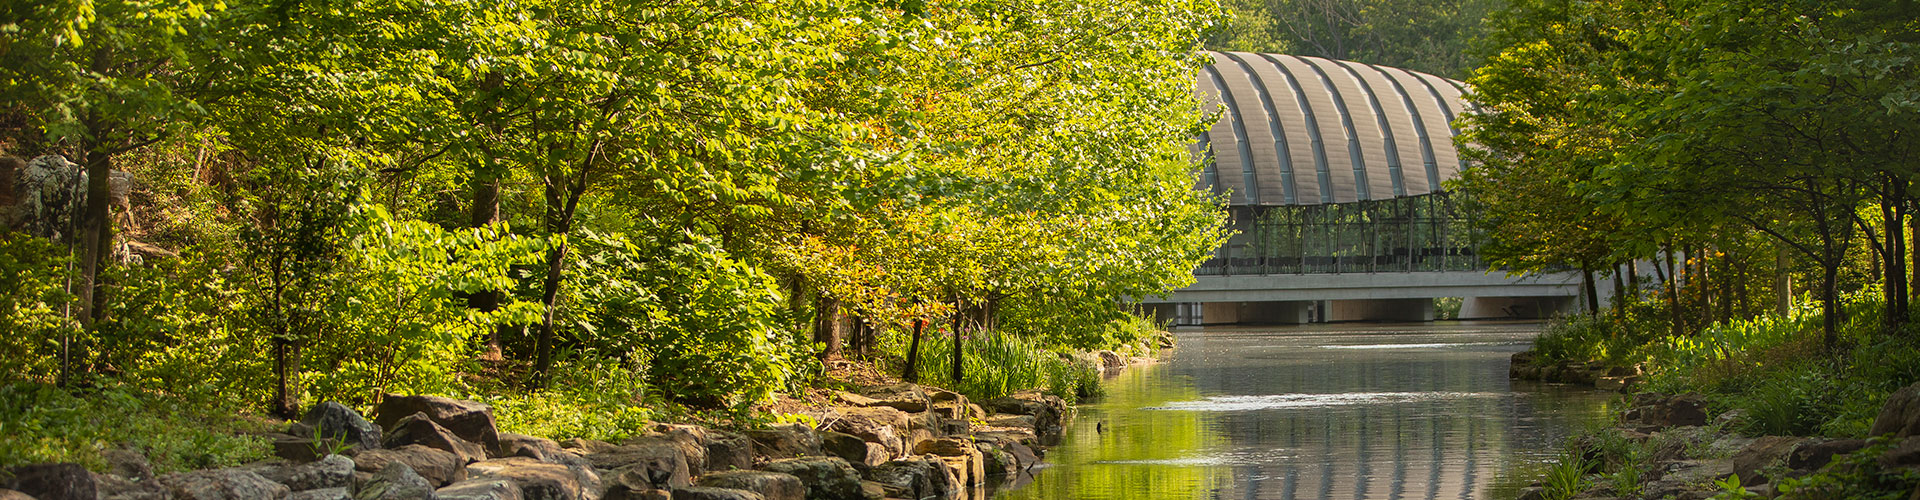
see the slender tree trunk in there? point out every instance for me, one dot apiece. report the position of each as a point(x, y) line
point(1619, 291)
point(1782, 281)
point(1673, 296)
point(486, 211)
point(286, 400)
point(826, 326)
point(1894, 215)
point(1633, 280)
point(958, 370)
point(1830, 305)
point(912, 371)
point(1593, 292)
point(563, 201)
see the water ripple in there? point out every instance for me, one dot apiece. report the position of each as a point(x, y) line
point(1280, 401)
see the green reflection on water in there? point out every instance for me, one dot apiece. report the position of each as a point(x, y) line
point(1117, 449)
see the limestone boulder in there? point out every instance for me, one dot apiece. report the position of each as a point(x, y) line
point(909, 398)
point(915, 477)
point(691, 439)
point(113, 487)
point(128, 462)
point(1765, 452)
point(468, 420)
point(960, 454)
point(1047, 411)
point(1814, 454)
point(1905, 455)
point(858, 452)
point(332, 471)
point(1669, 411)
point(661, 463)
point(880, 424)
point(519, 445)
point(420, 428)
point(6, 494)
point(1019, 421)
point(223, 484)
point(728, 451)
point(396, 481)
point(541, 480)
point(997, 461)
point(706, 493)
point(63, 481)
point(826, 478)
point(586, 446)
point(785, 441)
point(770, 485)
point(480, 489)
point(439, 467)
point(322, 494)
point(1900, 416)
point(336, 423)
point(618, 492)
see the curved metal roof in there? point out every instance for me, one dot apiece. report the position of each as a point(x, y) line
point(1299, 130)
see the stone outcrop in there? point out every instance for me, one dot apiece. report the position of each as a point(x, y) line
point(1659, 410)
point(785, 441)
point(468, 420)
point(541, 480)
point(1901, 414)
point(769, 485)
point(480, 489)
point(826, 478)
point(396, 481)
point(223, 484)
point(53, 482)
point(421, 429)
point(437, 466)
point(332, 471)
point(334, 422)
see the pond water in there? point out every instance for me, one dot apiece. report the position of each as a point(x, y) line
point(1343, 411)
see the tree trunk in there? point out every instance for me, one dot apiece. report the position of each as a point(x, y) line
point(563, 201)
point(958, 370)
point(1782, 281)
point(1633, 280)
point(486, 211)
point(1619, 291)
point(1673, 295)
point(549, 296)
point(912, 371)
point(1830, 306)
point(1894, 214)
point(1592, 292)
point(826, 326)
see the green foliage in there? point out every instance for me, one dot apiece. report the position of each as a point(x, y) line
point(706, 327)
point(40, 423)
point(1854, 476)
point(1581, 338)
point(589, 398)
point(1566, 477)
point(997, 364)
point(1427, 36)
point(33, 300)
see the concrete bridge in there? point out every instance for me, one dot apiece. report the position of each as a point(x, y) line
point(1333, 173)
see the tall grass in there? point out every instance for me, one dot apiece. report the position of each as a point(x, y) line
point(996, 364)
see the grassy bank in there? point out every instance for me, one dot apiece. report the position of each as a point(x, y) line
point(1765, 376)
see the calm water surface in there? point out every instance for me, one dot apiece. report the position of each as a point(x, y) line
point(1351, 411)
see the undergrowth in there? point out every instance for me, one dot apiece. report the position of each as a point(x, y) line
point(40, 423)
point(998, 364)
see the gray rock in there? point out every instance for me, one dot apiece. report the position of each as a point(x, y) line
point(916, 477)
point(223, 484)
point(468, 420)
point(691, 439)
point(851, 448)
point(998, 461)
point(663, 464)
point(904, 397)
point(112, 487)
point(617, 492)
point(481, 489)
point(1664, 411)
point(396, 481)
point(728, 451)
point(541, 480)
point(1812, 455)
point(65, 481)
point(420, 428)
point(6, 494)
point(1763, 453)
point(439, 467)
point(1047, 411)
point(322, 494)
point(49, 194)
point(1905, 455)
point(704, 493)
point(785, 441)
point(1900, 416)
point(128, 462)
point(334, 422)
point(295, 448)
point(770, 485)
point(518, 445)
point(880, 424)
point(334, 471)
point(827, 478)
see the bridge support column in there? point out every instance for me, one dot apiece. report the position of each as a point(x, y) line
point(1516, 307)
point(1380, 310)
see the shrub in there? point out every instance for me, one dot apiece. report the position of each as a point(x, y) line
point(33, 299)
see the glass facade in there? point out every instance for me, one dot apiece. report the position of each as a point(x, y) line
point(1411, 234)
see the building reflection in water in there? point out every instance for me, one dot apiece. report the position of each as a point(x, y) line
point(1326, 412)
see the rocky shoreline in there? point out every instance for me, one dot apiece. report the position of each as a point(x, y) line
point(1599, 376)
point(1678, 450)
point(887, 441)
